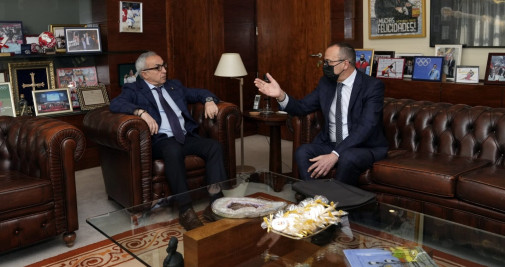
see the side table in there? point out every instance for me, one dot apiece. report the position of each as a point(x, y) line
point(275, 121)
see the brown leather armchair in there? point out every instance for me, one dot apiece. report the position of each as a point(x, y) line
point(130, 174)
point(37, 180)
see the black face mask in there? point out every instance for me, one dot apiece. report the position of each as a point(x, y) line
point(328, 71)
point(362, 59)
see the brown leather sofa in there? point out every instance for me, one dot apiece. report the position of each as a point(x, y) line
point(445, 160)
point(37, 182)
point(131, 176)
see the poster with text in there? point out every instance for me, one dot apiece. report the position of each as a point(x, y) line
point(396, 18)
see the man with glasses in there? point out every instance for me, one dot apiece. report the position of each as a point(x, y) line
point(162, 104)
point(352, 138)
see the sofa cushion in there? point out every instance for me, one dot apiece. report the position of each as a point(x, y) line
point(484, 187)
point(429, 173)
point(20, 191)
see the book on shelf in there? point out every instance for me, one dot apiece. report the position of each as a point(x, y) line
point(395, 256)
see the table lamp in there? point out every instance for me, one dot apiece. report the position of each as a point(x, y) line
point(230, 65)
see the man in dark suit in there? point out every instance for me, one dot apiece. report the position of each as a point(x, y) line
point(352, 138)
point(162, 104)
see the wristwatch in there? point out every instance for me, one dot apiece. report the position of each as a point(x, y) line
point(208, 99)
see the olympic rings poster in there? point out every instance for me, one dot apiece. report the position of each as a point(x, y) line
point(396, 18)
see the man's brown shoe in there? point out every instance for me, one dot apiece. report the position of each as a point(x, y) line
point(189, 220)
point(209, 215)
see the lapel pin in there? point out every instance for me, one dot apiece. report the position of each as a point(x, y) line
point(172, 88)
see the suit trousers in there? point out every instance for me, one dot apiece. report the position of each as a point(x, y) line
point(350, 165)
point(173, 153)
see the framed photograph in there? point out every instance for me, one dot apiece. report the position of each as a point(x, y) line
point(390, 68)
point(467, 74)
point(364, 60)
point(6, 101)
point(130, 14)
point(83, 40)
point(31, 39)
point(11, 36)
point(127, 73)
point(495, 69)
point(380, 54)
point(452, 58)
point(427, 68)
point(396, 19)
point(73, 78)
point(92, 97)
point(51, 101)
point(408, 67)
point(470, 23)
point(58, 31)
point(30, 76)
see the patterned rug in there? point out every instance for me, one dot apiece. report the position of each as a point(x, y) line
point(151, 242)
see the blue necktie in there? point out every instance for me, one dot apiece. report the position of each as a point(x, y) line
point(172, 118)
point(338, 114)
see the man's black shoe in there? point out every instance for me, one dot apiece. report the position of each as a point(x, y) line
point(189, 220)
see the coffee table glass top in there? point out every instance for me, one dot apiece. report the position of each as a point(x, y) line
point(144, 232)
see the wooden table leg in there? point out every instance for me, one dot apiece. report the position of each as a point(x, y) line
point(275, 149)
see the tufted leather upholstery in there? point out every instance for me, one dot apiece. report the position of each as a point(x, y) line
point(444, 160)
point(131, 176)
point(37, 182)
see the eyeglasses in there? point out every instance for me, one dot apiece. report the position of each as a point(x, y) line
point(330, 62)
point(158, 67)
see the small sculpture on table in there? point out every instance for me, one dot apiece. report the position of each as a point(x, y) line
point(174, 258)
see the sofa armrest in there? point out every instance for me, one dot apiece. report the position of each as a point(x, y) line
point(46, 148)
point(305, 128)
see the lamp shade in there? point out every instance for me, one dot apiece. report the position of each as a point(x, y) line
point(230, 65)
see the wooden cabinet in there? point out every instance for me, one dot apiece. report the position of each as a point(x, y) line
point(455, 93)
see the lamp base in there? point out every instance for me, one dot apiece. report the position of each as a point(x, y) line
point(245, 169)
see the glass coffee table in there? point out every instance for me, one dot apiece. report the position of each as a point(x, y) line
point(144, 232)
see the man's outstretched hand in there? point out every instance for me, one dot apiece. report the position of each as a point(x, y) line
point(271, 88)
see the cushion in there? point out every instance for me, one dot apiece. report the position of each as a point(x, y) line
point(428, 173)
point(484, 187)
point(19, 191)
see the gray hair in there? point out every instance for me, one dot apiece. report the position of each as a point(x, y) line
point(140, 64)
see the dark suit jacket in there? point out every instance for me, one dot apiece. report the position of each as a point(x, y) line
point(137, 95)
point(364, 114)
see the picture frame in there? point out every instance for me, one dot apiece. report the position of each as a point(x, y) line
point(58, 31)
point(408, 20)
point(380, 54)
point(127, 73)
point(452, 58)
point(467, 74)
point(366, 65)
point(408, 67)
point(427, 68)
point(74, 78)
point(390, 68)
point(23, 83)
point(52, 101)
point(92, 97)
point(83, 40)
point(130, 17)
point(495, 72)
point(31, 39)
point(11, 34)
point(477, 25)
point(7, 107)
